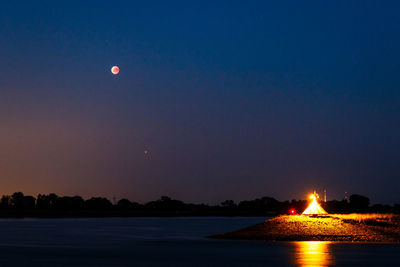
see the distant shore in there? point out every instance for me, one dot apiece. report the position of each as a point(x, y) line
point(380, 228)
point(128, 214)
point(51, 205)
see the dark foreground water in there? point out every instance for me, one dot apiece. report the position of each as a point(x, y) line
point(168, 242)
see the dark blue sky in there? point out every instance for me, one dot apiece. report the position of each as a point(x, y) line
point(232, 100)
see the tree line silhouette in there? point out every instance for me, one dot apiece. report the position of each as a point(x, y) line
point(51, 205)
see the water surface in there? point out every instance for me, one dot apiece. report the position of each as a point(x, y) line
point(168, 242)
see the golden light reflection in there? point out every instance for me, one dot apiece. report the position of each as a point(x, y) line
point(313, 253)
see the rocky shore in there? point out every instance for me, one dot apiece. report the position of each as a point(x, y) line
point(336, 227)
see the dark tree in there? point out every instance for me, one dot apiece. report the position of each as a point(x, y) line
point(263, 206)
point(69, 203)
point(42, 202)
point(379, 208)
point(124, 204)
point(359, 203)
point(77, 202)
point(166, 204)
point(396, 208)
point(228, 204)
point(29, 202)
point(52, 200)
point(5, 201)
point(98, 203)
point(46, 201)
point(336, 206)
point(17, 200)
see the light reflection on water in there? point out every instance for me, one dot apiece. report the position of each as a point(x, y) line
point(313, 253)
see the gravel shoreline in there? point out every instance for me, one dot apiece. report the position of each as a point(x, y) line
point(379, 228)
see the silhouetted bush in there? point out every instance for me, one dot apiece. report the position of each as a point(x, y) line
point(359, 203)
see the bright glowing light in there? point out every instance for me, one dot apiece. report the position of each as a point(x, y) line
point(115, 70)
point(313, 253)
point(292, 211)
point(314, 208)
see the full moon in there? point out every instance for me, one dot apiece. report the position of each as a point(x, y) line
point(115, 70)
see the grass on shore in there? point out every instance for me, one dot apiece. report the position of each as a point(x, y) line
point(358, 217)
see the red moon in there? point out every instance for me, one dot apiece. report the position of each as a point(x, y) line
point(115, 70)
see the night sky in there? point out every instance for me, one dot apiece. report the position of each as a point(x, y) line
point(230, 99)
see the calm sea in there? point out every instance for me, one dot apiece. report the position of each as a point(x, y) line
point(168, 242)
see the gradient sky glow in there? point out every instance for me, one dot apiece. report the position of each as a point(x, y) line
point(231, 99)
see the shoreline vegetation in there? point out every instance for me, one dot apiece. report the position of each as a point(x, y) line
point(53, 206)
point(374, 228)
